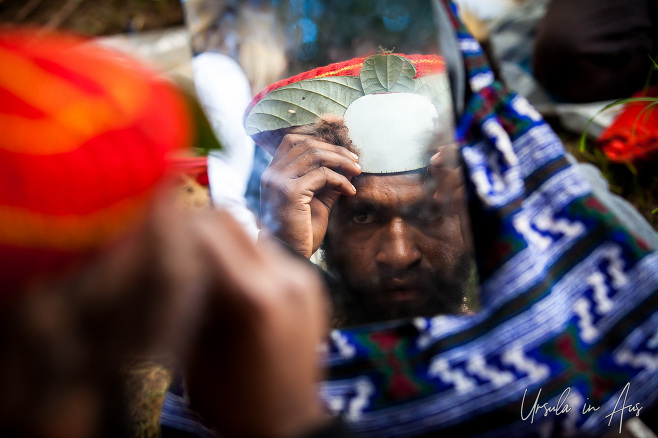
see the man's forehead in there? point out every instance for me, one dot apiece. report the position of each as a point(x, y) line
point(390, 190)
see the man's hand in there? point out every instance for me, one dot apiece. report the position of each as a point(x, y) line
point(300, 187)
point(253, 367)
point(450, 192)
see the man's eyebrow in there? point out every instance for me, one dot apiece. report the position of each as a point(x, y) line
point(358, 205)
point(423, 203)
point(419, 206)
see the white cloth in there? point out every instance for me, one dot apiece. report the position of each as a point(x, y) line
point(224, 93)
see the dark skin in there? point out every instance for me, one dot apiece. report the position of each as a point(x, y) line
point(191, 286)
point(392, 246)
point(301, 186)
point(394, 239)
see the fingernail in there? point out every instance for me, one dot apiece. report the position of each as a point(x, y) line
point(355, 156)
point(357, 166)
point(436, 156)
point(353, 188)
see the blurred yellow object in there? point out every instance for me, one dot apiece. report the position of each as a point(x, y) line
point(477, 27)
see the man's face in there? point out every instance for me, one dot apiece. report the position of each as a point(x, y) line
point(395, 250)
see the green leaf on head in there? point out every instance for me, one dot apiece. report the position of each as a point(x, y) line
point(387, 73)
point(302, 102)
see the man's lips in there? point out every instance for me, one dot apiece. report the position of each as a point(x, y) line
point(403, 294)
point(402, 290)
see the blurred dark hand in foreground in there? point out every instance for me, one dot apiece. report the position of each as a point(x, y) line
point(245, 321)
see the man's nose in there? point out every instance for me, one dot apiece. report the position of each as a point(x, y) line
point(397, 248)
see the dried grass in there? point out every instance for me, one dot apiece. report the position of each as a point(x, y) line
point(147, 382)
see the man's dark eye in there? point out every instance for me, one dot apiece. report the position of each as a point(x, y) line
point(429, 215)
point(363, 218)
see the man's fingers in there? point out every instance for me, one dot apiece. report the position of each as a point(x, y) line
point(447, 156)
point(325, 177)
point(447, 179)
point(293, 145)
point(448, 188)
point(447, 171)
point(267, 311)
point(226, 245)
point(458, 204)
point(446, 183)
point(314, 158)
point(301, 170)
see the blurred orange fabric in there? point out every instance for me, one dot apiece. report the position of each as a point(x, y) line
point(85, 135)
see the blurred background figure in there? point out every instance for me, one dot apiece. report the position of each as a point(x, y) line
point(571, 60)
point(154, 33)
point(239, 49)
point(582, 51)
point(99, 266)
point(588, 51)
point(86, 137)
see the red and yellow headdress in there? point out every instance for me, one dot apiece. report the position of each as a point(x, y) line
point(392, 105)
point(85, 135)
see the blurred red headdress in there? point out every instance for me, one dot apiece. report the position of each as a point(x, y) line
point(393, 106)
point(85, 133)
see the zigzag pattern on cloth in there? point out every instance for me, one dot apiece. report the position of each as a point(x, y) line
point(568, 294)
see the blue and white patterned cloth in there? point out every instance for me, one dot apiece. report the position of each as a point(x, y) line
point(569, 297)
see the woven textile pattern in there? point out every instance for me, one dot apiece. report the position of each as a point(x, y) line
point(569, 300)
